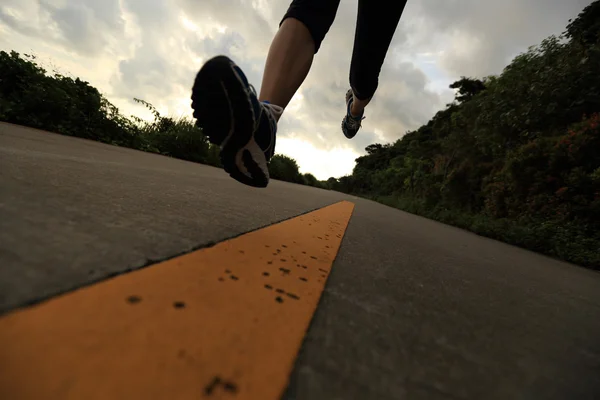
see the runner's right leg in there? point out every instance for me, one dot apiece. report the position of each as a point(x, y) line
point(302, 29)
point(227, 108)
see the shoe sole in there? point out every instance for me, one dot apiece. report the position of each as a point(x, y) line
point(223, 110)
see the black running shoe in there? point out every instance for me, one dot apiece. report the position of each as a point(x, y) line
point(350, 124)
point(231, 116)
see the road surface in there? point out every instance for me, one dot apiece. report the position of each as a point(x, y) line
point(412, 308)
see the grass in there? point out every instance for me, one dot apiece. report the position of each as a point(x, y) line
point(570, 241)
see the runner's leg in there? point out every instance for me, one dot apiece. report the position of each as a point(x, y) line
point(375, 27)
point(225, 104)
point(300, 34)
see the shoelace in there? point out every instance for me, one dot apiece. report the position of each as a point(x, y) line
point(354, 123)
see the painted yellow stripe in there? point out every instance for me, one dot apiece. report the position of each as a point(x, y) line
point(224, 322)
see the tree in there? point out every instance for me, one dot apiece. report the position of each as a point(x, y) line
point(467, 88)
point(585, 29)
point(310, 180)
point(285, 168)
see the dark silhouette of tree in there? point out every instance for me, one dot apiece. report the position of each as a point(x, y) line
point(585, 29)
point(467, 88)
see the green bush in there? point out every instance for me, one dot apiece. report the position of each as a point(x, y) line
point(30, 97)
point(285, 168)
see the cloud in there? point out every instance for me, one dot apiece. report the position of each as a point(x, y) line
point(87, 27)
point(481, 37)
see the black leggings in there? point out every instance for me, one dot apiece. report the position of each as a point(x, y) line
point(376, 23)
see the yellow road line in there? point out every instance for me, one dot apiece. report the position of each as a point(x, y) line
point(224, 322)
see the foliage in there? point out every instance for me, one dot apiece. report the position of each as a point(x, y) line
point(311, 180)
point(178, 138)
point(585, 29)
point(31, 97)
point(285, 168)
point(467, 88)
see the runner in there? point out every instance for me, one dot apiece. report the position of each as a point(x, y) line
point(232, 115)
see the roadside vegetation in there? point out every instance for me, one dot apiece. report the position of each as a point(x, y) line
point(515, 157)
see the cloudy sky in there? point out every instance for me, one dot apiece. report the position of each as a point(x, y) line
point(151, 49)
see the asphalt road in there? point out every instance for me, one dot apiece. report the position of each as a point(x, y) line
point(412, 309)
